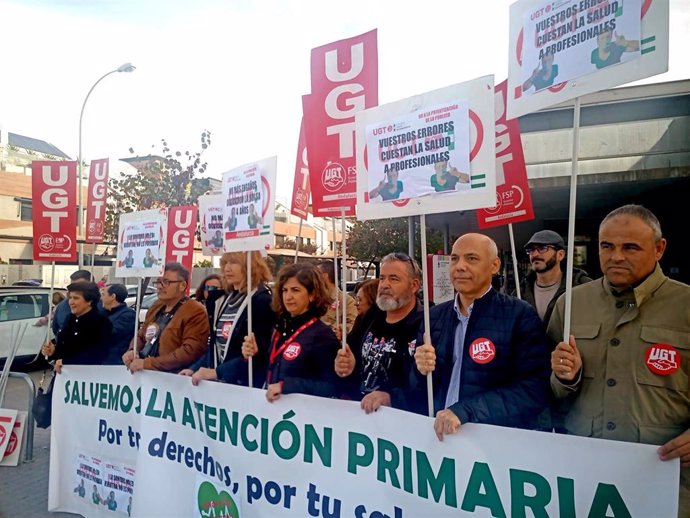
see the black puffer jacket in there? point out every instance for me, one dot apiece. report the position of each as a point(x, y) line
point(512, 387)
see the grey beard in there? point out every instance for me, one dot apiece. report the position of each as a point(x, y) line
point(389, 303)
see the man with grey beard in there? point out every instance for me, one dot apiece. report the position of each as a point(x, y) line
point(377, 366)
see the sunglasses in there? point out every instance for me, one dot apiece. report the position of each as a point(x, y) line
point(211, 287)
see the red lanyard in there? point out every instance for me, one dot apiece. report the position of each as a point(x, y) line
point(276, 335)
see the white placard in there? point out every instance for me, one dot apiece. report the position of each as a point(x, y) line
point(418, 158)
point(248, 205)
point(211, 224)
point(473, 187)
point(582, 67)
point(141, 243)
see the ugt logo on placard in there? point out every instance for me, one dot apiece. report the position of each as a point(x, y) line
point(333, 176)
point(46, 243)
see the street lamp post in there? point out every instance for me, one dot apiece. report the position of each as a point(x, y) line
point(127, 67)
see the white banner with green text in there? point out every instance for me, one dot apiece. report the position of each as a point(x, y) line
point(151, 444)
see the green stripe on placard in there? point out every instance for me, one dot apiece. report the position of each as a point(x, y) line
point(477, 185)
point(648, 40)
point(648, 50)
point(478, 176)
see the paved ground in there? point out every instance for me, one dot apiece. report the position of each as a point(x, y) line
point(24, 489)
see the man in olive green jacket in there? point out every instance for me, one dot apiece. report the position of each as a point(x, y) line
point(626, 364)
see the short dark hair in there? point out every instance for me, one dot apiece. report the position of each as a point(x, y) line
point(640, 212)
point(119, 290)
point(308, 276)
point(81, 275)
point(88, 290)
point(180, 270)
point(328, 267)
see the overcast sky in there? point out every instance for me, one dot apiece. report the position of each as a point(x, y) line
point(235, 67)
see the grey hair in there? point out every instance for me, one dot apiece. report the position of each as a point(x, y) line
point(412, 267)
point(493, 248)
point(638, 211)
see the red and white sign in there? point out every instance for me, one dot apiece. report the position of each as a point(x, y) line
point(300, 186)
point(344, 81)
point(513, 199)
point(479, 94)
point(482, 350)
point(54, 201)
point(95, 205)
point(14, 444)
point(662, 359)
point(181, 230)
point(7, 418)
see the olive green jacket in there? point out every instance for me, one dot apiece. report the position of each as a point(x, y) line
point(618, 395)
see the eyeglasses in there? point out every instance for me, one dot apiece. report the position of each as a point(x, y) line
point(164, 282)
point(542, 249)
point(211, 287)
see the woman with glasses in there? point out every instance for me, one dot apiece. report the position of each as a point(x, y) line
point(303, 348)
point(228, 313)
point(210, 283)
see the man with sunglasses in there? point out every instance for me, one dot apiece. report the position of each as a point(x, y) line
point(175, 332)
point(542, 286)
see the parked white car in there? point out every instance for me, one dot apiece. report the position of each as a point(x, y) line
point(23, 306)
point(132, 293)
point(148, 301)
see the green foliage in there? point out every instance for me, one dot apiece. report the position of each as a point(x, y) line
point(165, 180)
point(371, 240)
point(204, 263)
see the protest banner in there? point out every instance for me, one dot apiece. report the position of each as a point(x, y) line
point(344, 81)
point(141, 244)
point(472, 188)
point(211, 215)
point(248, 206)
point(94, 438)
point(300, 186)
point(513, 198)
point(566, 49)
point(181, 236)
point(419, 153)
point(54, 202)
point(95, 204)
point(15, 441)
point(223, 450)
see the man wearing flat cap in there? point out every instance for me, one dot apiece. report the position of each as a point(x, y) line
point(542, 286)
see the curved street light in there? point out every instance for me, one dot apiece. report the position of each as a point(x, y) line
point(126, 67)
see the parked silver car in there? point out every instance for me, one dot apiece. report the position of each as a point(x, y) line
point(21, 307)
